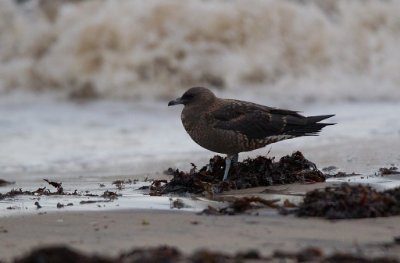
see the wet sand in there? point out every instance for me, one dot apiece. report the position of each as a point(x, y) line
point(111, 228)
point(108, 233)
point(120, 225)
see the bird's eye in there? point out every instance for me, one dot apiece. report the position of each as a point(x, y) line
point(188, 96)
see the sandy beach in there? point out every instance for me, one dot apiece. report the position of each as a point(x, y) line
point(108, 233)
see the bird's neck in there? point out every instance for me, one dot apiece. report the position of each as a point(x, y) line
point(191, 115)
point(193, 112)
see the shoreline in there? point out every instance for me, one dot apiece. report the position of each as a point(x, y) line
point(114, 226)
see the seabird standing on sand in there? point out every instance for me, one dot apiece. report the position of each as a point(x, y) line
point(233, 126)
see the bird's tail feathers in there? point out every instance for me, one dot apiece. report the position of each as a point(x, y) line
point(314, 119)
point(312, 128)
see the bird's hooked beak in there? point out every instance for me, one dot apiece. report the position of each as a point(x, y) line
point(176, 102)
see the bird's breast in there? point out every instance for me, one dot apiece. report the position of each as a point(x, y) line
point(202, 130)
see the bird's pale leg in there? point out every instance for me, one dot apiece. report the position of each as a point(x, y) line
point(235, 158)
point(228, 161)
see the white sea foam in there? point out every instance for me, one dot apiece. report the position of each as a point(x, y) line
point(332, 50)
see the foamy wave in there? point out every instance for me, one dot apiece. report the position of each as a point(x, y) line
point(309, 49)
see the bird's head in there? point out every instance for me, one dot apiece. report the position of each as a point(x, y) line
point(194, 96)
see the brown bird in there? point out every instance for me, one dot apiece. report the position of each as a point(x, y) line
point(233, 126)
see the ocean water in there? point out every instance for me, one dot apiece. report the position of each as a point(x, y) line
point(84, 84)
point(306, 50)
point(53, 137)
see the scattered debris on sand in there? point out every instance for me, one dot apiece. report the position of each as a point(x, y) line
point(14, 192)
point(177, 203)
point(388, 171)
point(60, 205)
point(241, 205)
point(157, 254)
point(55, 185)
point(59, 254)
point(340, 175)
point(14, 207)
point(330, 169)
point(314, 254)
point(109, 195)
point(349, 201)
point(311, 254)
point(38, 192)
point(260, 171)
point(120, 183)
point(3, 230)
point(84, 202)
point(166, 254)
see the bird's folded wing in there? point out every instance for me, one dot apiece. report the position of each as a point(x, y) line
point(255, 121)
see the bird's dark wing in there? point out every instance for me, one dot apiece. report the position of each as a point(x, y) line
point(255, 121)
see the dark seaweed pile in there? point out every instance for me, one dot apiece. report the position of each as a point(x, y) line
point(388, 171)
point(157, 254)
point(166, 254)
point(260, 171)
point(350, 202)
